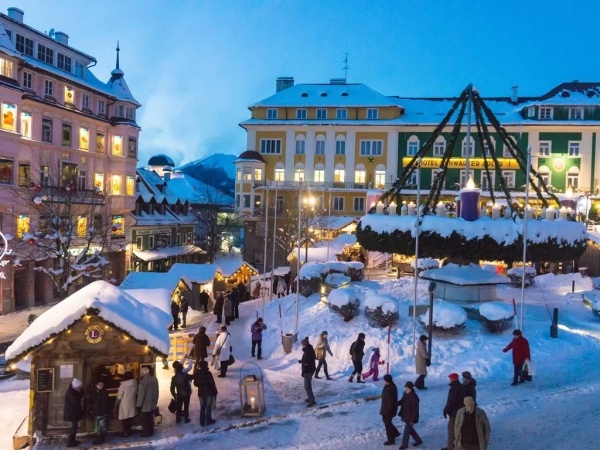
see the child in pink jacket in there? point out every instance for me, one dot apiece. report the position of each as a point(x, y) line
point(374, 366)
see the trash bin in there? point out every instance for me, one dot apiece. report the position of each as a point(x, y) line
point(288, 340)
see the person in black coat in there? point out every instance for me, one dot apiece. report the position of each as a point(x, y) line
point(309, 366)
point(73, 410)
point(175, 314)
point(470, 385)
point(235, 298)
point(183, 307)
point(357, 351)
point(181, 390)
point(409, 414)
point(218, 310)
point(389, 408)
point(101, 409)
point(456, 396)
point(204, 299)
point(207, 392)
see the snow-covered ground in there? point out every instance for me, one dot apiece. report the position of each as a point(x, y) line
point(558, 410)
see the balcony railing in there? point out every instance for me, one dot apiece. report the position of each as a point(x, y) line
point(319, 185)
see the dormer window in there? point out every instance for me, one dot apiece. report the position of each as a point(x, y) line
point(301, 113)
point(372, 113)
point(575, 113)
point(546, 113)
point(24, 45)
point(341, 113)
point(130, 113)
point(272, 113)
point(322, 113)
point(45, 54)
point(64, 62)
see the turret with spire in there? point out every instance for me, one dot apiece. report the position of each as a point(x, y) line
point(117, 83)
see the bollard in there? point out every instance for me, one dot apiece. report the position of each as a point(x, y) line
point(554, 326)
point(573, 286)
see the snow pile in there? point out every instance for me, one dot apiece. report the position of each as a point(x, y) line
point(337, 279)
point(341, 297)
point(426, 264)
point(496, 311)
point(387, 303)
point(518, 271)
point(471, 274)
point(445, 315)
point(315, 269)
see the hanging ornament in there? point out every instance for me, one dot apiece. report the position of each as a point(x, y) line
point(31, 184)
point(69, 187)
point(37, 201)
point(114, 229)
point(38, 189)
point(31, 241)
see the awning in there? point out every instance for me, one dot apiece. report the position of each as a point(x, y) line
point(167, 252)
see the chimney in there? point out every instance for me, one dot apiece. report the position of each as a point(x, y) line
point(514, 96)
point(16, 14)
point(61, 37)
point(337, 81)
point(166, 173)
point(283, 83)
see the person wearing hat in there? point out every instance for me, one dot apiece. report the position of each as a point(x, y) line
point(421, 362)
point(456, 395)
point(181, 390)
point(472, 428)
point(357, 351)
point(73, 410)
point(520, 348)
point(409, 414)
point(256, 329)
point(470, 385)
point(100, 411)
point(308, 370)
point(321, 350)
point(389, 408)
point(374, 362)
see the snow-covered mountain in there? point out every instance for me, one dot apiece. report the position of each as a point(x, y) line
point(217, 170)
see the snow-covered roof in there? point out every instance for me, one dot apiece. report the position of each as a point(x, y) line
point(467, 275)
point(195, 273)
point(230, 265)
point(113, 305)
point(167, 252)
point(150, 280)
point(159, 297)
point(320, 251)
point(332, 222)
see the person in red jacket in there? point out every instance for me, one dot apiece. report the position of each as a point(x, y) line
point(520, 349)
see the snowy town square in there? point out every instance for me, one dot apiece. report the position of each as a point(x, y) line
point(299, 225)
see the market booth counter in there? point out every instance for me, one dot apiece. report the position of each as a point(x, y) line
point(97, 333)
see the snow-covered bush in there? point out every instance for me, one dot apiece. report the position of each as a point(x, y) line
point(381, 310)
point(313, 274)
point(497, 316)
point(516, 275)
point(446, 315)
point(425, 264)
point(344, 302)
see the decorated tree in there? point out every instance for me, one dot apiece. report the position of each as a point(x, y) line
point(67, 226)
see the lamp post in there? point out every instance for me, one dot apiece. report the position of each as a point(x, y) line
point(431, 289)
point(310, 203)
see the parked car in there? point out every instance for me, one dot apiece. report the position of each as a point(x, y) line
point(6, 370)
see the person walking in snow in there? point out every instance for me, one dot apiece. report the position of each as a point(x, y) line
point(256, 290)
point(389, 409)
point(125, 403)
point(207, 392)
point(183, 307)
point(308, 370)
point(409, 414)
point(181, 390)
point(520, 348)
point(175, 314)
point(228, 308)
point(73, 410)
point(236, 297)
point(218, 310)
point(456, 395)
point(321, 350)
point(201, 344)
point(222, 350)
point(421, 362)
point(374, 363)
point(357, 351)
point(287, 277)
point(470, 385)
point(281, 288)
point(147, 400)
point(472, 428)
point(256, 329)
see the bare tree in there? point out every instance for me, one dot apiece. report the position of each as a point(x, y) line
point(67, 225)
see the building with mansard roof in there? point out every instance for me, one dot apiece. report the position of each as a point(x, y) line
point(61, 128)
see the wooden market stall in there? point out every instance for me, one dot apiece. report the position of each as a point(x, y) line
point(93, 334)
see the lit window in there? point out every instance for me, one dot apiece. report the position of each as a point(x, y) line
point(372, 113)
point(360, 176)
point(84, 138)
point(339, 175)
point(69, 174)
point(6, 171)
point(258, 174)
point(26, 125)
point(6, 68)
point(239, 174)
point(272, 113)
point(299, 175)
point(279, 174)
point(130, 185)
point(24, 174)
point(116, 184)
point(82, 226)
point(319, 175)
point(118, 225)
point(9, 116)
point(100, 143)
point(247, 174)
point(69, 95)
point(117, 145)
point(99, 182)
point(379, 179)
point(23, 223)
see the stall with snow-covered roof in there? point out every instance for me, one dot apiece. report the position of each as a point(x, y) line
point(198, 278)
point(231, 273)
point(178, 287)
point(94, 334)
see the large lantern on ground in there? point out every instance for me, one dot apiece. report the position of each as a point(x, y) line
point(252, 392)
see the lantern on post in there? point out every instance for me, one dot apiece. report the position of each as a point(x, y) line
point(252, 393)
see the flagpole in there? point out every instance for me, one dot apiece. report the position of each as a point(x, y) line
point(525, 212)
point(416, 278)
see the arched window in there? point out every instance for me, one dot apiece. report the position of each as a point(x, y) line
point(299, 172)
point(339, 174)
point(439, 146)
point(340, 144)
point(360, 174)
point(412, 147)
point(544, 175)
point(471, 147)
point(319, 173)
point(380, 176)
point(320, 145)
point(300, 144)
point(573, 178)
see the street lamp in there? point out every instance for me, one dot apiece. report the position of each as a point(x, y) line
point(431, 289)
point(309, 202)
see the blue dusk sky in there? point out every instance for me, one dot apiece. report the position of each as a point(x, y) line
point(196, 66)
